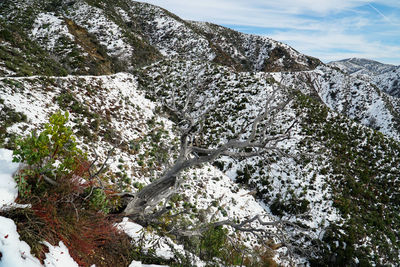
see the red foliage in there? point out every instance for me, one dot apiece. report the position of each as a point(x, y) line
point(82, 168)
point(83, 233)
point(62, 213)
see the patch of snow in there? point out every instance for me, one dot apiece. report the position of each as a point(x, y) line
point(14, 252)
point(58, 256)
point(140, 264)
point(124, 15)
point(164, 247)
point(106, 31)
point(8, 187)
point(49, 29)
point(132, 229)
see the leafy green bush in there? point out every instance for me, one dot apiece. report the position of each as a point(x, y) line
point(67, 209)
point(53, 152)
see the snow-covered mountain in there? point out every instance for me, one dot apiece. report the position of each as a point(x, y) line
point(389, 82)
point(362, 66)
point(353, 96)
point(385, 76)
point(336, 180)
point(92, 37)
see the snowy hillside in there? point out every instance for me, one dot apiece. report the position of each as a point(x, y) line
point(133, 77)
point(352, 96)
point(386, 77)
point(361, 66)
point(91, 37)
point(288, 186)
point(101, 111)
point(254, 53)
point(389, 82)
point(111, 108)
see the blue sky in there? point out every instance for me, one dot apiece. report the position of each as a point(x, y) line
point(327, 29)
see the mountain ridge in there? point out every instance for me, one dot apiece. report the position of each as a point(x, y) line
point(362, 66)
point(385, 76)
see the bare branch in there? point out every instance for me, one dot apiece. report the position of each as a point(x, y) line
point(49, 180)
point(123, 194)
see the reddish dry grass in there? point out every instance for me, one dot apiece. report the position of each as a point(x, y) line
point(86, 234)
point(61, 213)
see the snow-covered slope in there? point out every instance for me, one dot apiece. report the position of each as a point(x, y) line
point(385, 76)
point(287, 186)
point(389, 82)
point(176, 38)
point(254, 53)
point(353, 96)
point(339, 148)
point(89, 37)
point(362, 66)
point(108, 108)
point(336, 179)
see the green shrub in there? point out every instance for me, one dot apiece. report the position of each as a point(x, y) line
point(99, 200)
point(53, 152)
point(213, 243)
point(65, 211)
point(24, 188)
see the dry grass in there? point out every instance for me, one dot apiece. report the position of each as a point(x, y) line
point(62, 213)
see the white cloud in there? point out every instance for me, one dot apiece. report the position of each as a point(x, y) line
point(272, 14)
point(233, 13)
point(320, 7)
point(206, 8)
point(335, 46)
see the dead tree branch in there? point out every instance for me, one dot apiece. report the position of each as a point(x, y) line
point(254, 136)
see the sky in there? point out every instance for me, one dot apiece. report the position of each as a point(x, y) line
point(326, 29)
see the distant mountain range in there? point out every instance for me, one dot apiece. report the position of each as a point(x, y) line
point(385, 76)
point(362, 66)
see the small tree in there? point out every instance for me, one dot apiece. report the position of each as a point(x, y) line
point(51, 153)
point(64, 202)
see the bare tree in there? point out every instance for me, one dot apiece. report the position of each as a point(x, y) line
point(253, 139)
